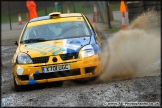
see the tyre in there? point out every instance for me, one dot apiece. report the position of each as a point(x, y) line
point(84, 80)
point(17, 87)
point(57, 83)
point(132, 4)
point(135, 10)
point(158, 2)
point(130, 21)
point(149, 3)
point(133, 16)
point(153, 7)
point(158, 7)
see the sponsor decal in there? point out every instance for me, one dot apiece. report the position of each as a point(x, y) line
point(45, 48)
point(37, 72)
point(32, 81)
point(71, 46)
point(57, 51)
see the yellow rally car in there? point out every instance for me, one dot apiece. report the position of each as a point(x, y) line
point(55, 48)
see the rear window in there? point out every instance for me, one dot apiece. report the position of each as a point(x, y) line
point(54, 31)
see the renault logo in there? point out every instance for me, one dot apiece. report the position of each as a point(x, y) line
point(54, 59)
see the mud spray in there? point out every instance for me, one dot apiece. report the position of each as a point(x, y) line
point(133, 51)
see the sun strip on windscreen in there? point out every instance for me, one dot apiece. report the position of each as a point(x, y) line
point(50, 21)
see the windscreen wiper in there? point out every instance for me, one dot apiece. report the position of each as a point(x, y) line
point(33, 40)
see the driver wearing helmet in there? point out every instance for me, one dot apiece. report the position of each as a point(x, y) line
point(45, 32)
point(41, 33)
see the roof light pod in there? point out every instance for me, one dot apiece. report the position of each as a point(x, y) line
point(55, 15)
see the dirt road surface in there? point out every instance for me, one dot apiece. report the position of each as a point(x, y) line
point(139, 89)
point(144, 89)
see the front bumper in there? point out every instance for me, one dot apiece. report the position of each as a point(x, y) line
point(79, 68)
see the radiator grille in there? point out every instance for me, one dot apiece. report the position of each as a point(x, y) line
point(69, 56)
point(40, 59)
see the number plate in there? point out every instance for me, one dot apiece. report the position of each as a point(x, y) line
point(56, 68)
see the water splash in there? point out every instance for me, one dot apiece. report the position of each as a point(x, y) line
point(134, 50)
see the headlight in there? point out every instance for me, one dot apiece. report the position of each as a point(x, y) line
point(87, 51)
point(23, 58)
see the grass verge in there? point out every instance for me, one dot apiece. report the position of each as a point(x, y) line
point(113, 30)
point(115, 7)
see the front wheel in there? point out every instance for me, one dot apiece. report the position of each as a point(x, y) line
point(84, 80)
point(57, 83)
point(17, 87)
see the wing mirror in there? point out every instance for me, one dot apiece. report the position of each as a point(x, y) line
point(16, 43)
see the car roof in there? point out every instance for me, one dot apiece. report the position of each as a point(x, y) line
point(64, 15)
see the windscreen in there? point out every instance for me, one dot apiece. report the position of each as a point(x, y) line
point(55, 31)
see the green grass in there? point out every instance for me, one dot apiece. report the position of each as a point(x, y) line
point(115, 7)
point(78, 8)
point(5, 18)
point(113, 30)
